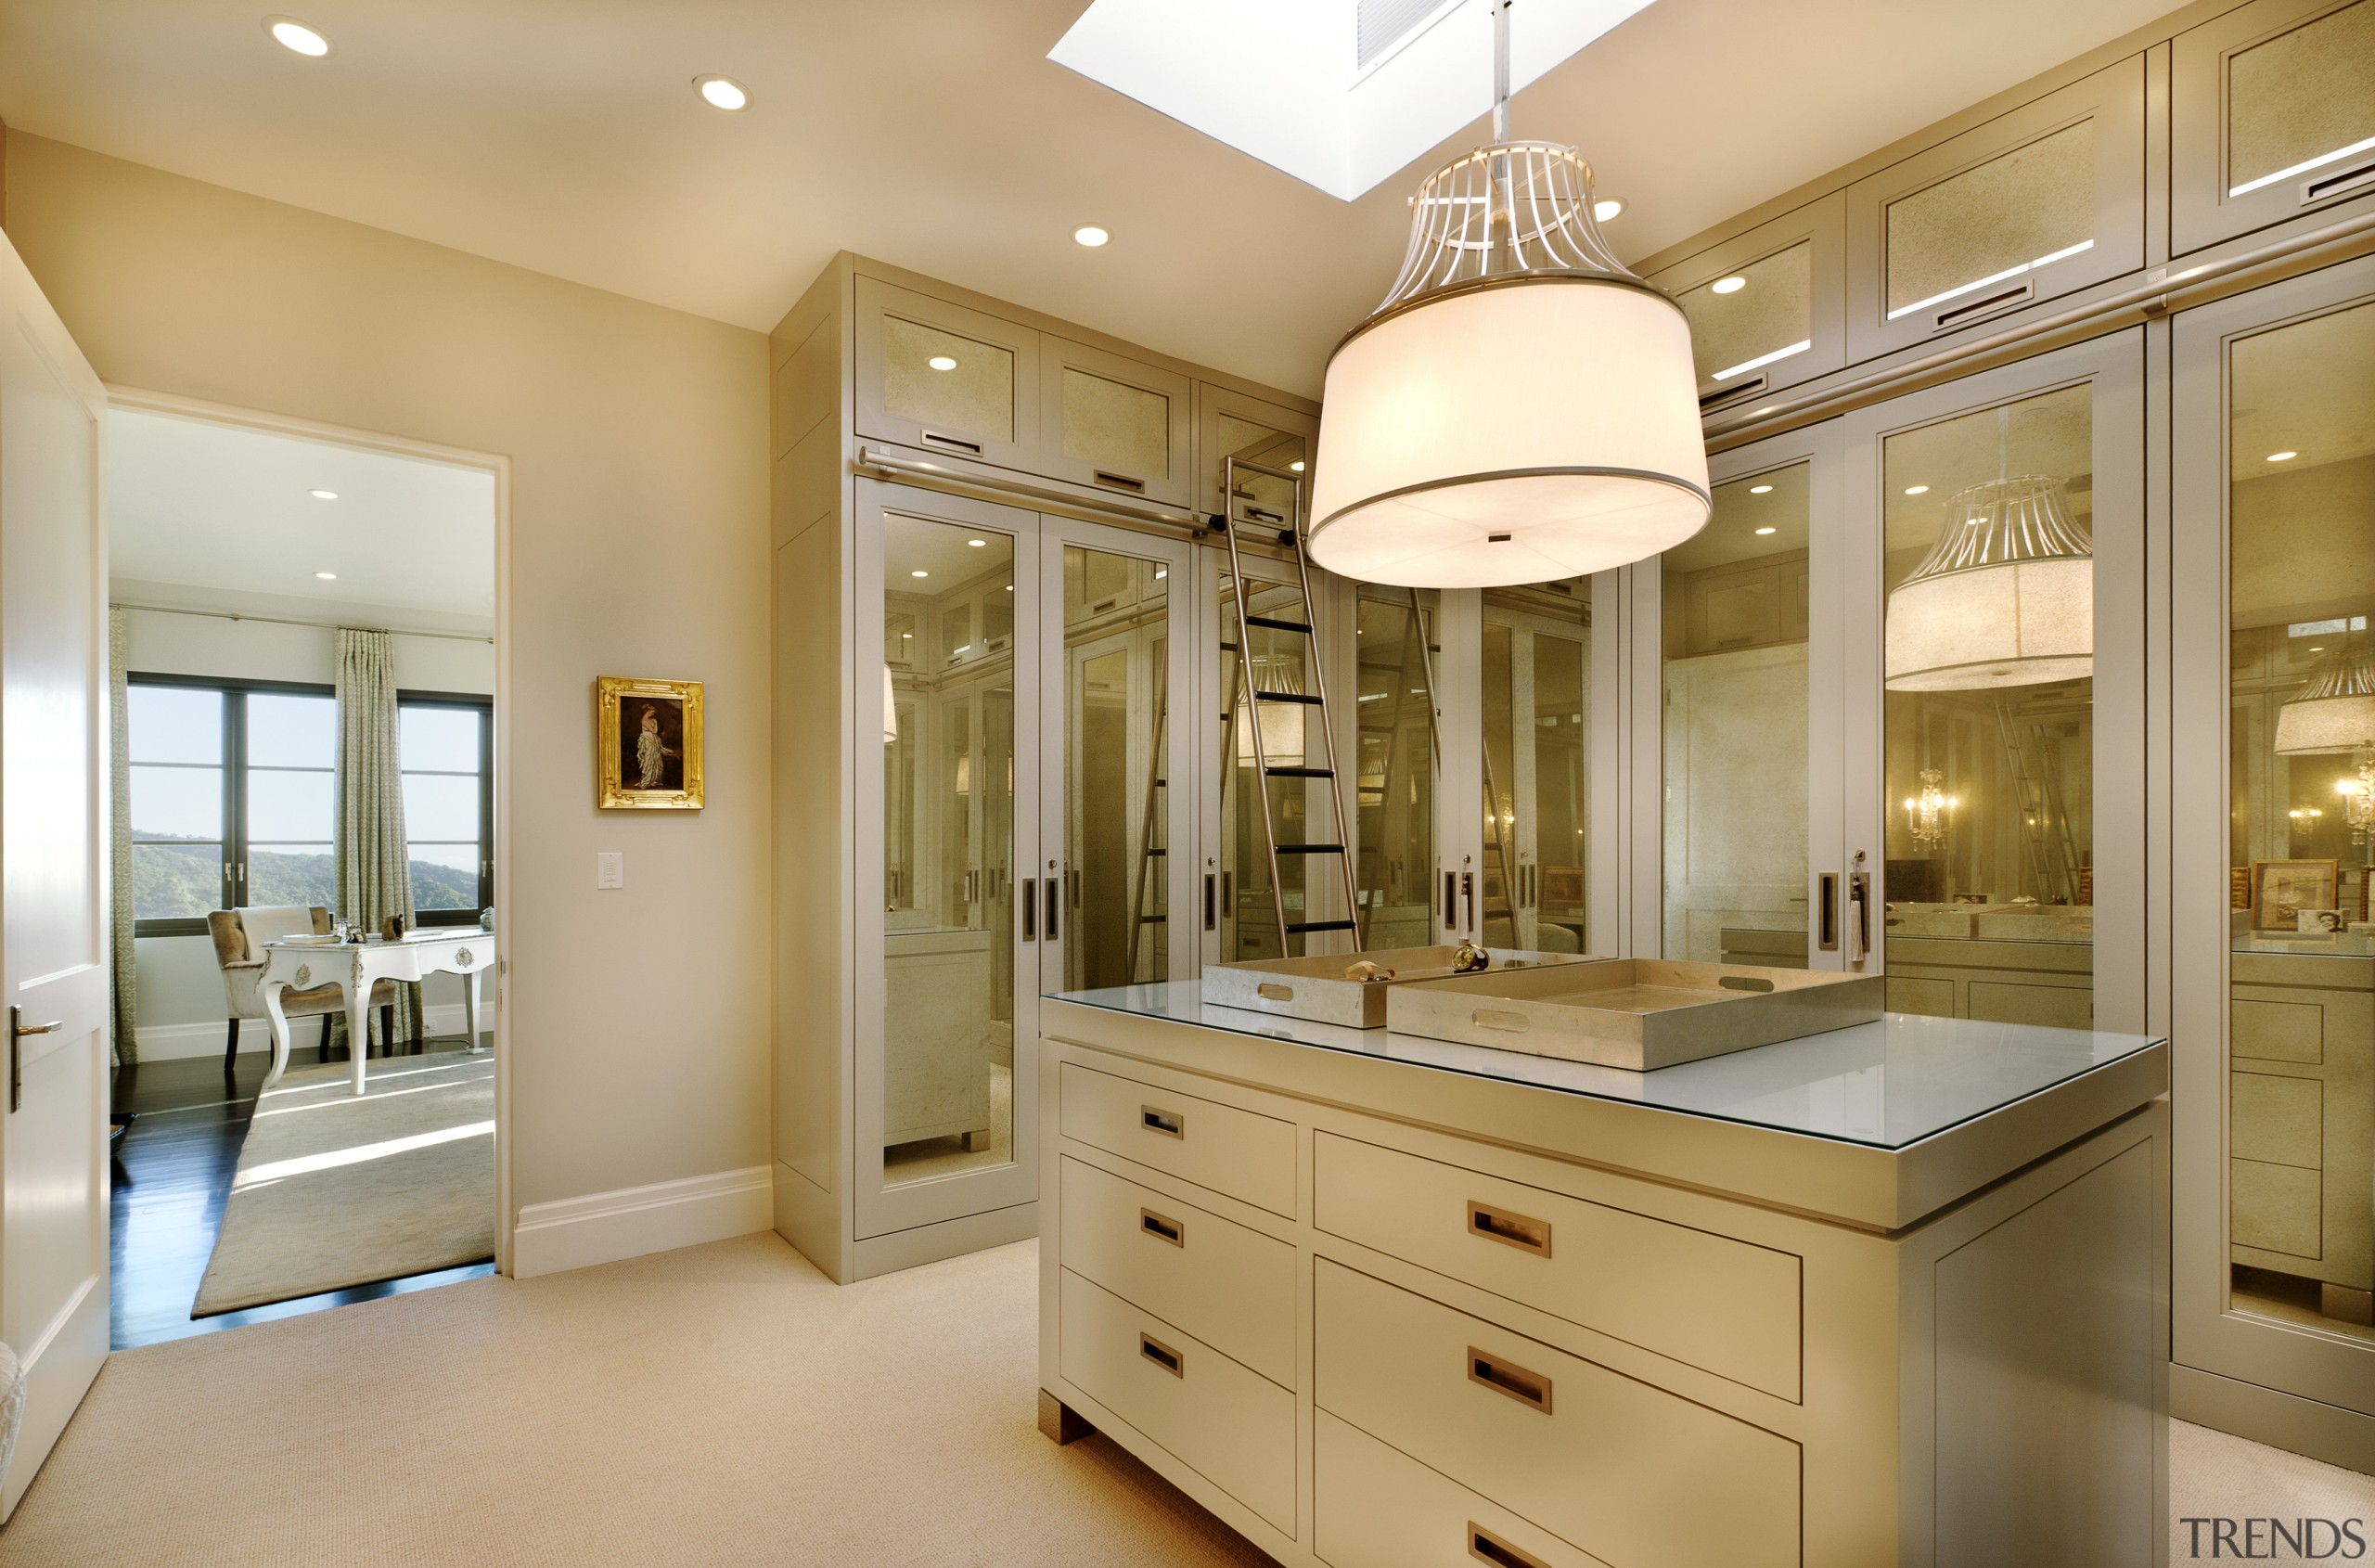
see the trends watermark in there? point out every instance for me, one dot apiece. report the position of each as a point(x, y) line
point(2301, 1540)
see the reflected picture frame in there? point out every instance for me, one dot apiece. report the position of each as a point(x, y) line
point(2281, 889)
point(647, 744)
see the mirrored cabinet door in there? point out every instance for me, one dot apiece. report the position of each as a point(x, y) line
point(1767, 308)
point(1748, 649)
point(1534, 765)
point(2004, 514)
point(946, 986)
point(2274, 761)
point(1396, 640)
point(1116, 423)
point(2272, 116)
point(939, 376)
point(2034, 203)
point(1232, 424)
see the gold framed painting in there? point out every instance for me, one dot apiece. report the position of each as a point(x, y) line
point(647, 744)
point(2281, 889)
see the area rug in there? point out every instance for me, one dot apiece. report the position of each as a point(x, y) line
point(335, 1189)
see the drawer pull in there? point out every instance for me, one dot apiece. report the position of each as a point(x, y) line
point(1275, 992)
point(1521, 1231)
point(1497, 1018)
point(1119, 482)
point(1486, 1547)
point(1170, 1123)
point(1510, 1379)
point(1955, 315)
point(1161, 1356)
point(1162, 1228)
point(960, 443)
point(2326, 186)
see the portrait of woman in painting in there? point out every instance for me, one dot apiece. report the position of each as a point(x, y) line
point(649, 744)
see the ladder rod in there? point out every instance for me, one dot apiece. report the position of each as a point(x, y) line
point(2038, 802)
point(1149, 850)
point(1252, 695)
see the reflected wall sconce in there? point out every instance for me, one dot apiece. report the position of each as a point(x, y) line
point(1925, 814)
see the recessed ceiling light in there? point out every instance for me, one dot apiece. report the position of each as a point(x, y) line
point(327, 576)
point(920, 572)
point(296, 37)
point(978, 543)
point(722, 92)
point(2283, 456)
point(1731, 285)
point(1296, 465)
point(1090, 234)
point(940, 362)
point(1760, 490)
point(1763, 531)
point(1010, 587)
point(1607, 207)
point(323, 495)
point(1917, 490)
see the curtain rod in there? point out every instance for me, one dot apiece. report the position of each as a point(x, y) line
point(284, 621)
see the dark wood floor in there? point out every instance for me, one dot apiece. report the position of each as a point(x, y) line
point(173, 1171)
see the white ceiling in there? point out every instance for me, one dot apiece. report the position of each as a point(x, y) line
point(937, 135)
point(194, 504)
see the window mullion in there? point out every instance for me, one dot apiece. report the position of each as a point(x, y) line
point(235, 790)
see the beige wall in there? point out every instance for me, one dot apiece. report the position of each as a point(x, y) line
point(639, 546)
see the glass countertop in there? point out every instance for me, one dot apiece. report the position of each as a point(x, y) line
point(1885, 1085)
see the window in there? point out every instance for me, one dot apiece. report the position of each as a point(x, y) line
point(234, 800)
point(449, 805)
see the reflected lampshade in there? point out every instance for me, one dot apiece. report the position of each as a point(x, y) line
point(890, 708)
point(2005, 598)
point(1520, 408)
point(2336, 710)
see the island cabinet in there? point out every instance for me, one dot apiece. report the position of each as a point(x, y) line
point(1890, 1296)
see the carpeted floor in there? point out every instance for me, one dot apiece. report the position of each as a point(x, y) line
point(336, 1190)
point(723, 1404)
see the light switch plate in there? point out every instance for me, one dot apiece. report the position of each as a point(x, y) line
point(609, 868)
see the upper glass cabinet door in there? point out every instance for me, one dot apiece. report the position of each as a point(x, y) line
point(2272, 115)
point(1116, 423)
point(1766, 308)
point(2034, 203)
point(939, 376)
point(1230, 424)
point(1395, 646)
point(1536, 716)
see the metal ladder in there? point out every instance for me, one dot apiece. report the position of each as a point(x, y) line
point(1150, 851)
point(1248, 695)
point(2042, 813)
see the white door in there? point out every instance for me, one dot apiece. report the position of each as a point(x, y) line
point(53, 909)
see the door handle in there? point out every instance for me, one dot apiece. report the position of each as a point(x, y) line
point(1859, 912)
point(1211, 901)
point(1451, 901)
point(17, 1030)
point(1055, 897)
point(1827, 913)
point(1468, 892)
point(1030, 908)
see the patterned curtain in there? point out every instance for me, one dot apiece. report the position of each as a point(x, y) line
point(374, 876)
point(119, 911)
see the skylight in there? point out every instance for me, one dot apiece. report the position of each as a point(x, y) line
point(1340, 94)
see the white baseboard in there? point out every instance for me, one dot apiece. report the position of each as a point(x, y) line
point(177, 1042)
point(605, 1227)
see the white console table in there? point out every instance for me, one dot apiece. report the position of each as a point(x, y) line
point(355, 967)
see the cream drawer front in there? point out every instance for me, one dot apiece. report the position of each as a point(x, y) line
point(1730, 1307)
point(1627, 1471)
point(1232, 1426)
point(1230, 1287)
point(1239, 1153)
point(1375, 1507)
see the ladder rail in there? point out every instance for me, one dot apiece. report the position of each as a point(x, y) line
point(1345, 826)
point(1156, 752)
point(1244, 695)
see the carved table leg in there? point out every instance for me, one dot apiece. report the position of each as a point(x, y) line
point(470, 1007)
point(279, 1021)
point(358, 1023)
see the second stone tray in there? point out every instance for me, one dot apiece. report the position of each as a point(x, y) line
point(1636, 1013)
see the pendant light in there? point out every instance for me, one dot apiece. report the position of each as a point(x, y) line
point(1520, 408)
point(2006, 597)
point(2336, 712)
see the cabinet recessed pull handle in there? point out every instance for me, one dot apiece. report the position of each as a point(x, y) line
point(1724, 397)
point(1053, 898)
point(1510, 1229)
point(959, 442)
point(1162, 1228)
point(1162, 1356)
point(1170, 1123)
point(1451, 901)
point(1121, 481)
point(1486, 1547)
point(1468, 892)
point(1827, 937)
point(1212, 902)
point(2328, 186)
point(1030, 908)
point(1508, 1379)
point(2004, 299)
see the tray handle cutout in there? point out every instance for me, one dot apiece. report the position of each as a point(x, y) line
point(1745, 982)
point(1275, 992)
point(1497, 1018)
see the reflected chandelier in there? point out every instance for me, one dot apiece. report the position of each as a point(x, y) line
point(2006, 597)
point(1520, 408)
point(2336, 712)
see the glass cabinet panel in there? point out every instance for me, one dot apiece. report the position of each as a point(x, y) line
point(2301, 1004)
point(935, 375)
point(1734, 618)
point(1399, 754)
point(1114, 425)
point(1114, 422)
point(1536, 670)
point(952, 383)
point(2023, 209)
point(1988, 745)
point(1753, 318)
point(1116, 793)
point(948, 856)
point(2272, 115)
point(1252, 431)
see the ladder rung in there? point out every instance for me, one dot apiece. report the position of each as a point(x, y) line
point(1155, 920)
point(1306, 701)
point(1300, 772)
point(1311, 849)
point(1157, 850)
point(1294, 925)
point(1277, 626)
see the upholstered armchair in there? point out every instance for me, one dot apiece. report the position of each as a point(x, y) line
point(239, 935)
